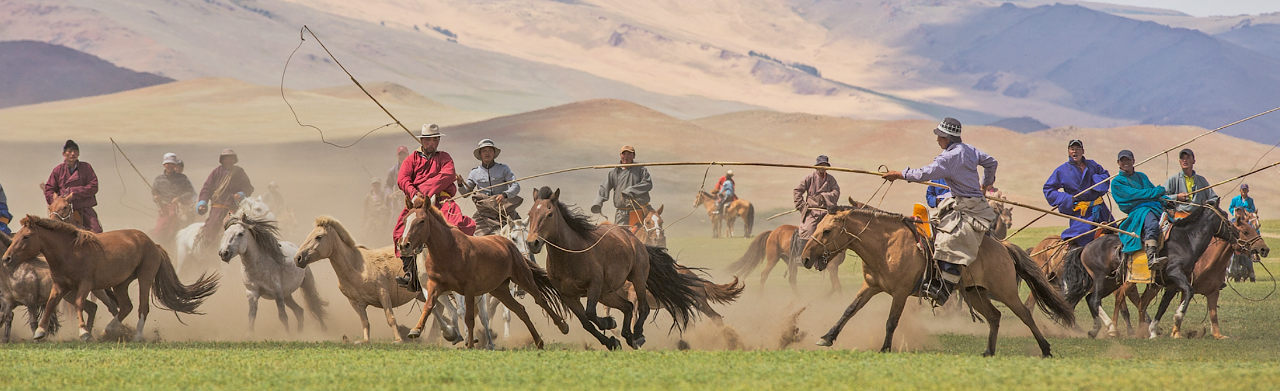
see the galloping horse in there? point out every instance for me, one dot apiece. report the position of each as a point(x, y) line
point(81, 261)
point(774, 245)
point(892, 263)
point(190, 256)
point(268, 268)
point(473, 266)
point(1051, 255)
point(28, 284)
point(597, 262)
point(365, 276)
point(732, 211)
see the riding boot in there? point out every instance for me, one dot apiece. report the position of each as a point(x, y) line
point(410, 278)
point(939, 288)
point(1153, 262)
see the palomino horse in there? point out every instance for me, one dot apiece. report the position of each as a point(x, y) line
point(268, 268)
point(81, 261)
point(892, 263)
point(774, 245)
point(62, 209)
point(473, 266)
point(365, 276)
point(732, 211)
point(597, 262)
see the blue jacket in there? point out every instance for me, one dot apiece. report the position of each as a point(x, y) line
point(934, 194)
point(1067, 181)
point(1136, 196)
point(1239, 202)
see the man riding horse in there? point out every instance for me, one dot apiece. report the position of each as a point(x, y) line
point(965, 217)
point(725, 192)
point(1069, 179)
point(629, 187)
point(1137, 197)
point(426, 173)
point(222, 191)
point(76, 178)
point(1187, 181)
point(494, 205)
point(171, 192)
point(815, 194)
point(5, 217)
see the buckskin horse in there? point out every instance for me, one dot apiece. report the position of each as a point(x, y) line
point(81, 261)
point(774, 245)
point(597, 262)
point(893, 264)
point(732, 211)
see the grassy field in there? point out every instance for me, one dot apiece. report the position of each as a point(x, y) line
point(1249, 360)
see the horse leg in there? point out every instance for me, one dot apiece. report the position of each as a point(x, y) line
point(1212, 300)
point(793, 266)
point(253, 308)
point(576, 307)
point(982, 304)
point(1023, 313)
point(1121, 310)
point(864, 295)
point(491, 309)
point(503, 295)
point(362, 311)
point(593, 299)
point(1094, 301)
point(641, 311)
point(833, 269)
point(482, 306)
point(431, 292)
point(123, 306)
point(1187, 295)
point(6, 319)
point(1154, 327)
point(470, 320)
point(56, 294)
point(82, 295)
point(145, 285)
point(290, 302)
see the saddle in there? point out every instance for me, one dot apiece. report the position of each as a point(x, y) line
point(924, 228)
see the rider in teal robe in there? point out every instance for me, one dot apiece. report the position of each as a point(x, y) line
point(1141, 200)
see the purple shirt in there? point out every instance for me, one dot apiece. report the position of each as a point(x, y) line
point(958, 165)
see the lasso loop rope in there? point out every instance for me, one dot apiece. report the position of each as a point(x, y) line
point(601, 239)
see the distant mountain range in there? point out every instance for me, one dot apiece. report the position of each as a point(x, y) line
point(35, 72)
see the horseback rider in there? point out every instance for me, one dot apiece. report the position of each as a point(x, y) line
point(933, 195)
point(171, 191)
point(76, 178)
point(425, 173)
point(5, 217)
point(1137, 197)
point(375, 208)
point(222, 191)
point(1077, 174)
point(1182, 184)
point(630, 188)
point(394, 172)
point(494, 205)
point(724, 191)
point(1244, 202)
point(817, 192)
point(964, 218)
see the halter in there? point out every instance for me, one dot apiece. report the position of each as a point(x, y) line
point(69, 215)
point(826, 250)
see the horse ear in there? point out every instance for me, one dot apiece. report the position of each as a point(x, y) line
point(659, 211)
point(555, 196)
point(851, 202)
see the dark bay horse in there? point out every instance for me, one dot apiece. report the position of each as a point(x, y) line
point(773, 246)
point(81, 261)
point(732, 211)
point(473, 266)
point(597, 262)
point(893, 264)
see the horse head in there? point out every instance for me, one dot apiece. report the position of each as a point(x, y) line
point(829, 238)
point(653, 232)
point(1250, 241)
point(23, 246)
point(418, 224)
point(235, 240)
point(322, 242)
point(544, 217)
point(61, 208)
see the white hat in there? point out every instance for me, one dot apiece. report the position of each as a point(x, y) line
point(430, 130)
point(729, 173)
point(486, 143)
point(170, 158)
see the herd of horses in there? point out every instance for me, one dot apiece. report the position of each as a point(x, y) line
point(627, 268)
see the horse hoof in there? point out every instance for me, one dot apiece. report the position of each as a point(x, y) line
point(1047, 355)
point(637, 342)
point(1113, 334)
point(1220, 336)
point(564, 327)
point(988, 354)
point(1093, 334)
point(824, 342)
point(415, 333)
point(607, 323)
point(39, 335)
point(85, 335)
point(613, 344)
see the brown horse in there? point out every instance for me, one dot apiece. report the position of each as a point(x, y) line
point(473, 266)
point(774, 245)
point(1050, 254)
point(732, 211)
point(1004, 216)
point(597, 262)
point(365, 276)
point(28, 285)
point(81, 261)
point(62, 210)
point(892, 263)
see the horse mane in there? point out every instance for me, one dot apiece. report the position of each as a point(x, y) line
point(6, 240)
point(82, 237)
point(332, 224)
point(265, 235)
point(439, 215)
point(576, 220)
point(864, 209)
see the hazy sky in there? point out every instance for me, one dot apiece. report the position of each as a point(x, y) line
point(1207, 7)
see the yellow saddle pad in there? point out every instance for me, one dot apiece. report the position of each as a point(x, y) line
point(921, 212)
point(1139, 273)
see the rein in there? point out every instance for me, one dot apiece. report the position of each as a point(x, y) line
point(826, 250)
point(601, 239)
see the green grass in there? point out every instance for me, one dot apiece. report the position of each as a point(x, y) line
point(1250, 359)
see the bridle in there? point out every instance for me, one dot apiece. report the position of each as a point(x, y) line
point(827, 251)
point(71, 212)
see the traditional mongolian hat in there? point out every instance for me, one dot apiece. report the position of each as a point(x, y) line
point(949, 127)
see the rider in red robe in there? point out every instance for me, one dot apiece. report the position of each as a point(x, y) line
point(428, 172)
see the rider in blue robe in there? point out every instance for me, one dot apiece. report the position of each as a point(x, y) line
point(1068, 180)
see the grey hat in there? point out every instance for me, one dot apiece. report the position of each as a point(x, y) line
point(1244, 186)
point(949, 127)
point(822, 159)
point(170, 158)
point(1075, 143)
point(486, 143)
point(1186, 151)
point(430, 130)
point(1125, 154)
point(228, 152)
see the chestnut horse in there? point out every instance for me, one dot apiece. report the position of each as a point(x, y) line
point(28, 284)
point(774, 245)
point(62, 210)
point(81, 261)
point(892, 263)
point(597, 262)
point(473, 266)
point(732, 211)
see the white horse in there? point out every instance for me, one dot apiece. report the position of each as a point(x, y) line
point(269, 271)
point(189, 258)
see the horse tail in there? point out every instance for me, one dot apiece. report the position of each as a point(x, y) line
point(725, 293)
point(33, 315)
point(755, 254)
point(1048, 299)
point(671, 289)
point(750, 220)
point(1076, 281)
point(536, 282)
point(172, 295)
point(311, 295)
